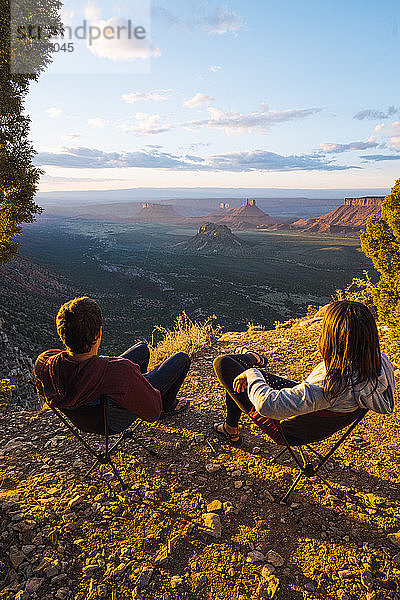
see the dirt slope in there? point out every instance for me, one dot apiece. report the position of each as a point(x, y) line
point(63, 537)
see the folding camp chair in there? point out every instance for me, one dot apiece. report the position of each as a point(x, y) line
point(318, 428)
point(96, 419)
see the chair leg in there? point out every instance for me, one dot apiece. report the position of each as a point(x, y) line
point(107, 461)
point(292, 487)
point(117, 475)
point(94, 465)
point(274, 458)
point(314, 451)
point(332, 489)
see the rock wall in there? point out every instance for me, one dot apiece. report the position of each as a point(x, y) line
point(14, 365)
point(365, 201)
point(351, 217)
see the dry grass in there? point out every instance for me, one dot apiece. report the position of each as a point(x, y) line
point(361, 289)
point(5, 391)
point(186, 336)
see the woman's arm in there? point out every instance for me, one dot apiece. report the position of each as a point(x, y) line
point(282, 404)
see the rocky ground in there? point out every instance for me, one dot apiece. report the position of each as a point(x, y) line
point(200, 521)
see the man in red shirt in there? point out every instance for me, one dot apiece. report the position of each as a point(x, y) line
point(77, 376)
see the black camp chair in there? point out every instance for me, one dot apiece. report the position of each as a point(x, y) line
point(299, 432)
point(96, 419)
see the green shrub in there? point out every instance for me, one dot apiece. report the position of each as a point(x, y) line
point(381, 243)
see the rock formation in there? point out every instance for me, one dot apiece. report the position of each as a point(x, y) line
point(156, 213)
point(213, 238)
point(247, 216)
point(350, 217)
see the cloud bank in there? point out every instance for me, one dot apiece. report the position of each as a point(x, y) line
point(329, 148)
point(373, 114)
point(258, 121)
point(246, 161)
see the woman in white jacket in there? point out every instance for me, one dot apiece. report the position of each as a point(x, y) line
point(354, 374)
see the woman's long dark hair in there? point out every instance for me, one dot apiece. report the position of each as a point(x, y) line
point(349, 344)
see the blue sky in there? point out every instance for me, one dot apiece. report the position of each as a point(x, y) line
point(238, 94)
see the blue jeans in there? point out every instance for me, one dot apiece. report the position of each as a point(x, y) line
point(168, 378)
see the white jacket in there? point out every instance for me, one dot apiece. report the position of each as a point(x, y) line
point(308, 396)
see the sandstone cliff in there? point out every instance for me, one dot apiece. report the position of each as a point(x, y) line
point(350, 217)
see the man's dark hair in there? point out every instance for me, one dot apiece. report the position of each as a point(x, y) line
point(78, 324)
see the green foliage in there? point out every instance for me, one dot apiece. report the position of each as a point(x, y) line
point(18, 177)
point(381, 242)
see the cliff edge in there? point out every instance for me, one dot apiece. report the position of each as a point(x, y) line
point(200, 520)
point(351, 217)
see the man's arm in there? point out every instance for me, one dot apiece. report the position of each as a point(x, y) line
point(141, 398)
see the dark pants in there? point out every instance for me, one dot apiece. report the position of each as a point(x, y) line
point(168, 378)
point(227, 368)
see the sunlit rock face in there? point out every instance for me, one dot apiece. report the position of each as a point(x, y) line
point(350, 217)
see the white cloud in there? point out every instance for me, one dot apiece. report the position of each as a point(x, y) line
point(146, 124)
point(259, 121)
point(223, 21)
point(54, 112)
point(198, 100)
point(215, 68)
point(372, 114)
point(92, 11)
point(389, 130)
point(261, 160)
point(331, 148)
point(126, 47)
point(380, 128)
point(70, 137)
point(395, 142)
point(157, 96)
point(97, 123)
point(391, 133)
point(248, 161)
